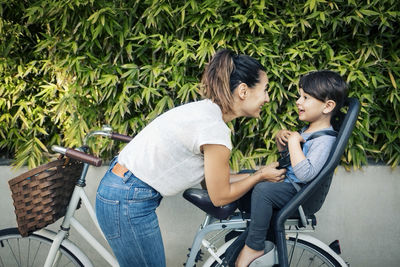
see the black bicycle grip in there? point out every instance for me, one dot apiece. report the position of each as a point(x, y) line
point(121, 137)
point(75, 154)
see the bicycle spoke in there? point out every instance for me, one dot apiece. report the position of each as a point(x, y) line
point(301, 256)
point(37, 251)
point(29, 252)
point(291, 255)
point(19, 251)
point(2, 246)
point(311, 261)
point(292, 252)
point(12, 251)
point(1, 261)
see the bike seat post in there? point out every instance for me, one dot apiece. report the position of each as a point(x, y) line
point(206, 221)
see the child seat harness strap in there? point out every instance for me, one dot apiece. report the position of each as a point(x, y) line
point(321, 133)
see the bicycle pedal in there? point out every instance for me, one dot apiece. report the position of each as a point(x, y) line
point(268, 259)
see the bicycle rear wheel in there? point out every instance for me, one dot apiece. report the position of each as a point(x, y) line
point(32, 250)
point(303, 254)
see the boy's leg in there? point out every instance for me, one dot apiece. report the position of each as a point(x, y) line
point(266, 197)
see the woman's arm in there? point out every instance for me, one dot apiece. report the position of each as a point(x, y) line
point(217, 176)
point(234, 177)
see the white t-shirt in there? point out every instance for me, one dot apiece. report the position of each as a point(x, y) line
point(166, 153)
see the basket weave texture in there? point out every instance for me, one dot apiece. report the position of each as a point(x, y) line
point(41, 195)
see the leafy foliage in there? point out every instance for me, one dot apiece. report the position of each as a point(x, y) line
point(67, 67)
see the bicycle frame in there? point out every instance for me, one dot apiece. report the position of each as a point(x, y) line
point(69, 220)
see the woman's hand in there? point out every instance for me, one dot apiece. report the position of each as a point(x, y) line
point(271, 173)
point(281, 138)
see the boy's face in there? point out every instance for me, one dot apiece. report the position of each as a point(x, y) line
point(311, 109)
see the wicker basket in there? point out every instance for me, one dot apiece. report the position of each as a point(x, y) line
point(41, 195)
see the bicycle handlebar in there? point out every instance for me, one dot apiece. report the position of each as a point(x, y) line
point(120, 137)
point(107, 132)
point(86, 158)
point(78, 155)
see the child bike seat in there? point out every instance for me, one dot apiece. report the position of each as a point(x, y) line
point(201, 199)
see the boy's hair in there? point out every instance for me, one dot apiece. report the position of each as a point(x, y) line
point(325, 85)
point(224, 73)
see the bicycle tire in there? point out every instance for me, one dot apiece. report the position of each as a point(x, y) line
point(32, 250)
point(305, 254)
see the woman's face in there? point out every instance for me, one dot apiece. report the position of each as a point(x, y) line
point(256, 97)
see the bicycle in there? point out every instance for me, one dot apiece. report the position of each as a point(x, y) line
point(48, 248)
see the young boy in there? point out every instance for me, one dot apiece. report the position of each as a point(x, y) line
point(322, 94)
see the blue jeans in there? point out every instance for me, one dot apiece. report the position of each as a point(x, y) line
point(125, 209)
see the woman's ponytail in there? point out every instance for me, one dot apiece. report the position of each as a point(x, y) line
point(216, 80)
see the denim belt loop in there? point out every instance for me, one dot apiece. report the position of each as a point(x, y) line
point(127, 175)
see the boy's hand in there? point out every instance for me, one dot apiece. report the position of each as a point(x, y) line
point(281, 138)
point(295, 137)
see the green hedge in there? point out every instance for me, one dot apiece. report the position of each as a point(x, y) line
point(68, 67)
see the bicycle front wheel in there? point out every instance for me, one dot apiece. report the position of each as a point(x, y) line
point(32, 250)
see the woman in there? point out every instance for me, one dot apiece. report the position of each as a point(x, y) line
point(178, 150)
